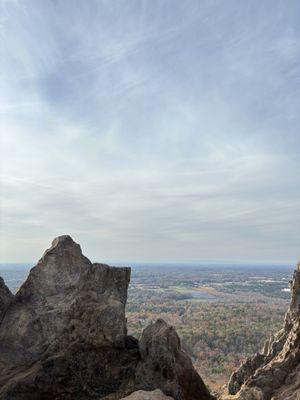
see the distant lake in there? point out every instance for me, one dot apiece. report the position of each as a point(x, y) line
point(201, 294)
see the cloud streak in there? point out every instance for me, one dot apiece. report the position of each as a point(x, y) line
point(151, 131)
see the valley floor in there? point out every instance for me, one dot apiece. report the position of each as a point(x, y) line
point(222, 315)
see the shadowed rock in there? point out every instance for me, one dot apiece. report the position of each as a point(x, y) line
point(166, 366)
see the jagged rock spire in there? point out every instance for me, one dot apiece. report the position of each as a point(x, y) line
point(66, 309)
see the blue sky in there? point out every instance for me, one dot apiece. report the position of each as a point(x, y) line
point(151, 130)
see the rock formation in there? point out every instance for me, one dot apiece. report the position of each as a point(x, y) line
point(275, 372)
point(166, 366)
point(63, 327)
point(63, 336)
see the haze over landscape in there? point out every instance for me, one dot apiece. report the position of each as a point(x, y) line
point(151, 130)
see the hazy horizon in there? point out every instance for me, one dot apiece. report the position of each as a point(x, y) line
point(151, 130)
point(134, 263)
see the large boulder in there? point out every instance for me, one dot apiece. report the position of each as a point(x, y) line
point(274, 373)
point(166, 366)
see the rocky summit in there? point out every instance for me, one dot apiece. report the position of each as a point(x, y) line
point(64, 336)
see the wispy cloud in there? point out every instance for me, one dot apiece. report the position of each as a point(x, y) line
point(160, 130)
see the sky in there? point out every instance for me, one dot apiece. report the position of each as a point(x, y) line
point(151, 131)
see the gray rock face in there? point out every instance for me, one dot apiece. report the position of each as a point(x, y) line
point(275, 372)
point(63, 336)
point(5, 298)
point(166, 366)
point(68, 315)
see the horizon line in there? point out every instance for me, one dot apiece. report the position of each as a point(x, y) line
point(169, 263)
